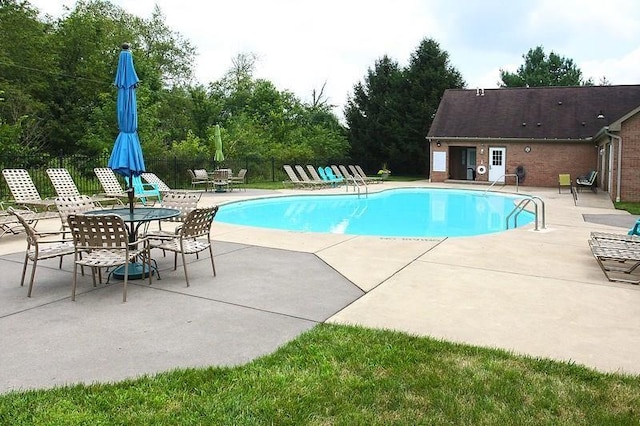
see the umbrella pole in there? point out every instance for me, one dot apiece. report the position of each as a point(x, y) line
point(130, 195)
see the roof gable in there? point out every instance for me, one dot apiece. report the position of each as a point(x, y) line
point(532, 113)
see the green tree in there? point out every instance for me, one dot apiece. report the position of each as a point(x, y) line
point(167, 54)
point(58, 76)
point(374, 113)
point(26, 66)
point(87, 43)
point(427, 76)
point(540, 70)
point(57, 79)
point(192, 146)
point(389, 114)
point(10, 136)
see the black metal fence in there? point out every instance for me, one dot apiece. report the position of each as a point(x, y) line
point(173, 171)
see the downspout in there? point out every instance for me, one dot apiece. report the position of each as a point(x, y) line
point(619, 174)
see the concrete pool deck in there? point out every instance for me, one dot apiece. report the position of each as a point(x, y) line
point(538, 293)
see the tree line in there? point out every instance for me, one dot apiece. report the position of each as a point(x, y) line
point(56, 80)
point(57, 95)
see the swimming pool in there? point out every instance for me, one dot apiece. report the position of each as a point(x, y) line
point(405, 212)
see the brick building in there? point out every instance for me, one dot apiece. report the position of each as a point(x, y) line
point(537, 134)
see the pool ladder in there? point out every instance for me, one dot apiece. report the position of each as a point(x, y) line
point(522, 205)
point(357, 181)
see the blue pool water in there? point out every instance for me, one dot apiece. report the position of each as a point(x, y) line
point(393, 213)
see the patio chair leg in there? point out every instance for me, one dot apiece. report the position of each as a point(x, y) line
point(213, 265)
point(148, 256)
point(184, 265)
point(24, 269)
point(155, 267)
point(73, 287)
point(33, 275)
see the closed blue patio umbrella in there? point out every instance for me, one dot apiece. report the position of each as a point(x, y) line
point(126, 158)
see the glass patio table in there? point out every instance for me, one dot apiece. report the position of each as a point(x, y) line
point(135, 219)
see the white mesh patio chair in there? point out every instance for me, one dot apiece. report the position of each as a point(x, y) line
point(200, 177)
point(73, 204)
point(195, 181)
point(183, 201)
point(102, 241)
point(239, 180)
point(41, 246)
point(192, 237)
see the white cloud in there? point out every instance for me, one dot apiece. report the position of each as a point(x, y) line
point(622, 70)
point(302, 45)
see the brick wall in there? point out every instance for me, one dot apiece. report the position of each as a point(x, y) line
point(630, 177)
point(546, 161)
point(543, 163)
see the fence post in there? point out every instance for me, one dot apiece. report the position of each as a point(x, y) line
point(60, 159)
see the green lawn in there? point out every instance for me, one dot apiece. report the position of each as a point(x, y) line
point(633, 208)
point(349, 375)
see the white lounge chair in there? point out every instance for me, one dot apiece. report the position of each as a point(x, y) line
point(112, 188)
point(65, 187)
point(294, 180)
point(155, 180)
point(308, 181)
point(26, 194)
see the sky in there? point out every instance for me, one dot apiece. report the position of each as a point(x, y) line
point(303, 45)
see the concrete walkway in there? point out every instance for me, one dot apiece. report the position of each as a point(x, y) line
point(539, 293)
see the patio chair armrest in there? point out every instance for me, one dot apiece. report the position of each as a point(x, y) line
point(64, 240)
point(52, 233)
point(144, 240)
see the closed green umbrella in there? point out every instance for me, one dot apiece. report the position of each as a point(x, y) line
point(219, 155)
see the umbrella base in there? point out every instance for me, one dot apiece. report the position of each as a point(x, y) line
point(137, 271)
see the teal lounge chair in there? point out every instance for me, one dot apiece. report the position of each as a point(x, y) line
point(143, 190)
point(330, 176)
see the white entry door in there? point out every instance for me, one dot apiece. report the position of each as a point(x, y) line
point(496, 164)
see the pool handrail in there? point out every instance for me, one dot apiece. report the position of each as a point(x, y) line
point(503, 176)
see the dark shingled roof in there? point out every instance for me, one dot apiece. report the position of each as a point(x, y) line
point(532, 113)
